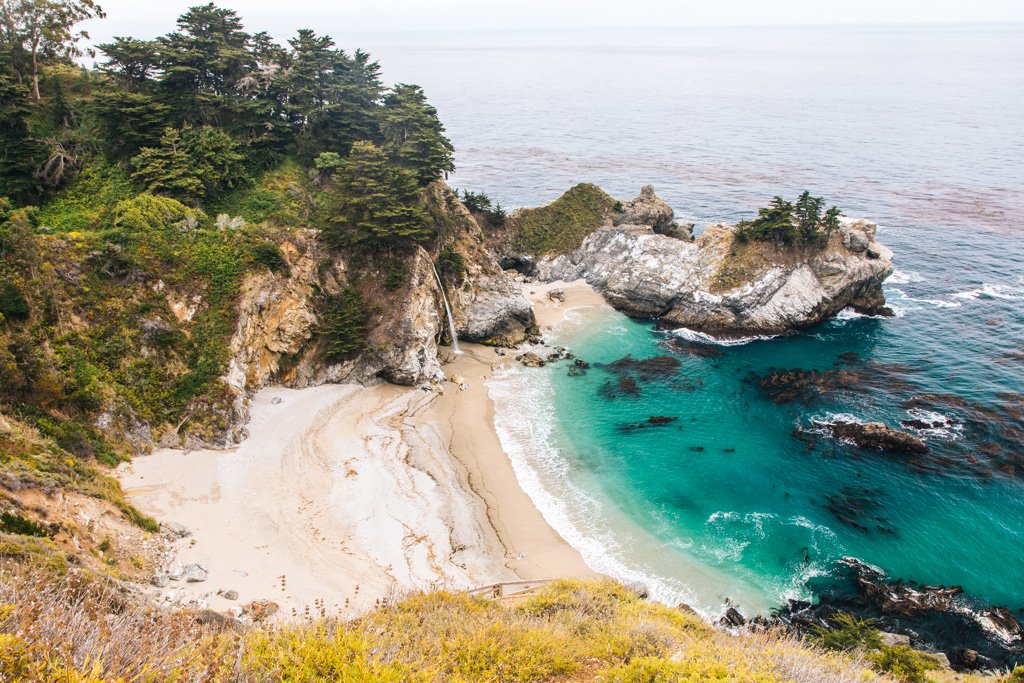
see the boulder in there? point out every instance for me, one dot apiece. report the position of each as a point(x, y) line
point(557, 295)
point(639, 589)
point(223, 622)
point(531, 360)
point(230, 595)
point(894, 639)
point(733, 619)
point(261, 610)
point(174, 531)
point(877, 436)
point(195, 573)
point(648, 209)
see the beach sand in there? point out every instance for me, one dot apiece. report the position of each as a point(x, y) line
point(345, 495)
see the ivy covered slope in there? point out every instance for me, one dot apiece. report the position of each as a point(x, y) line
point(203, 214)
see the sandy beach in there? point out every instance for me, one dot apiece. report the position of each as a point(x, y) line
point(344, 495)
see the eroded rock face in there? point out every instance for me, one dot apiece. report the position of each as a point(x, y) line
point(488, 305)
point(404, 339)
point(275, 337)
point(276, 317)
point(648, 209)
point(717, 286)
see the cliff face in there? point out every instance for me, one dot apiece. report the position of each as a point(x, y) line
point(488, 306)
point(719, 286)
point(276, 340)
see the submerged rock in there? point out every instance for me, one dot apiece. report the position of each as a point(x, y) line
point(531, 360)
point(877, 436)
point(938, 619)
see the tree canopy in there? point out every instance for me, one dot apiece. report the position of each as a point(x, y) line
point(375, 202)
point(789, 223)
point(298, 100)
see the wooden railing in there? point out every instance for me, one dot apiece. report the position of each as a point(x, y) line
point(502, 589)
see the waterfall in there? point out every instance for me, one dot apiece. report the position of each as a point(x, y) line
point(448, 310)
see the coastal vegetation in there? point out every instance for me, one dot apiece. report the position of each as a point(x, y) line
point(562, 225)
point(138, 202)
point(791, 223)
point(86, 629)
point(135, 198)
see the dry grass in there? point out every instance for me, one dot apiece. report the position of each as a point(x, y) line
point(78, 629)
point(745, 261)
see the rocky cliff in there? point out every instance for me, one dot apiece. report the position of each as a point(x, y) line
point(648, 265)
point(722, 287)
point(275, 340)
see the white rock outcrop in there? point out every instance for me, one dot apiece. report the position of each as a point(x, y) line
point(715, 286)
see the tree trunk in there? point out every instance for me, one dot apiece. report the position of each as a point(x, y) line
point(35, 73)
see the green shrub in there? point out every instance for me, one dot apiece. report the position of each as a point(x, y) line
point(497, 217)
point(190, 164)
point(149, 212)
point(904, 663)
point(88, 201)
point(343, 325)
point(396, 275)
point(13, 523)
point(847, 633)
point(476, 202)
point(451, 265)
point(561, 226)
point(13, 305)
point(269, 254)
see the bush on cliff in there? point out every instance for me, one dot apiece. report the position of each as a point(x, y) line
point(343, 324)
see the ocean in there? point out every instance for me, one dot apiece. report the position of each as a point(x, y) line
point(743, 499)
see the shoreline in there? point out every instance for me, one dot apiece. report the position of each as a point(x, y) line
point(344, 496)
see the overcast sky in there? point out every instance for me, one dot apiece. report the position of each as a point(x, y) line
point(148, 18)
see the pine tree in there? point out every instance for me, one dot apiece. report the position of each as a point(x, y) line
point(39, 31)
point(131, 62)
point(128, 121)
point(413, 134)
point(203, 63)
point(19, 152)
point(375, 203)
point(189, 164)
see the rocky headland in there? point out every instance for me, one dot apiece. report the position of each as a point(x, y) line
point(648, 266)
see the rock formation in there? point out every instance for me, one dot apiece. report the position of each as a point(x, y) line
point(649, 209)
point(721, 287)
point(278, 313)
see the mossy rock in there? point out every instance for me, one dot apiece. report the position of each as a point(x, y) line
point(561, 226)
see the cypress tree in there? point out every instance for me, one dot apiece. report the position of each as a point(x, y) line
point(413, 134)
point(375, 203)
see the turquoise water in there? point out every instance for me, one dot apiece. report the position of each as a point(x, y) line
point(918, 128)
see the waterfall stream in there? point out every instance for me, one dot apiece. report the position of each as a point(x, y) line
point(448, 310)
